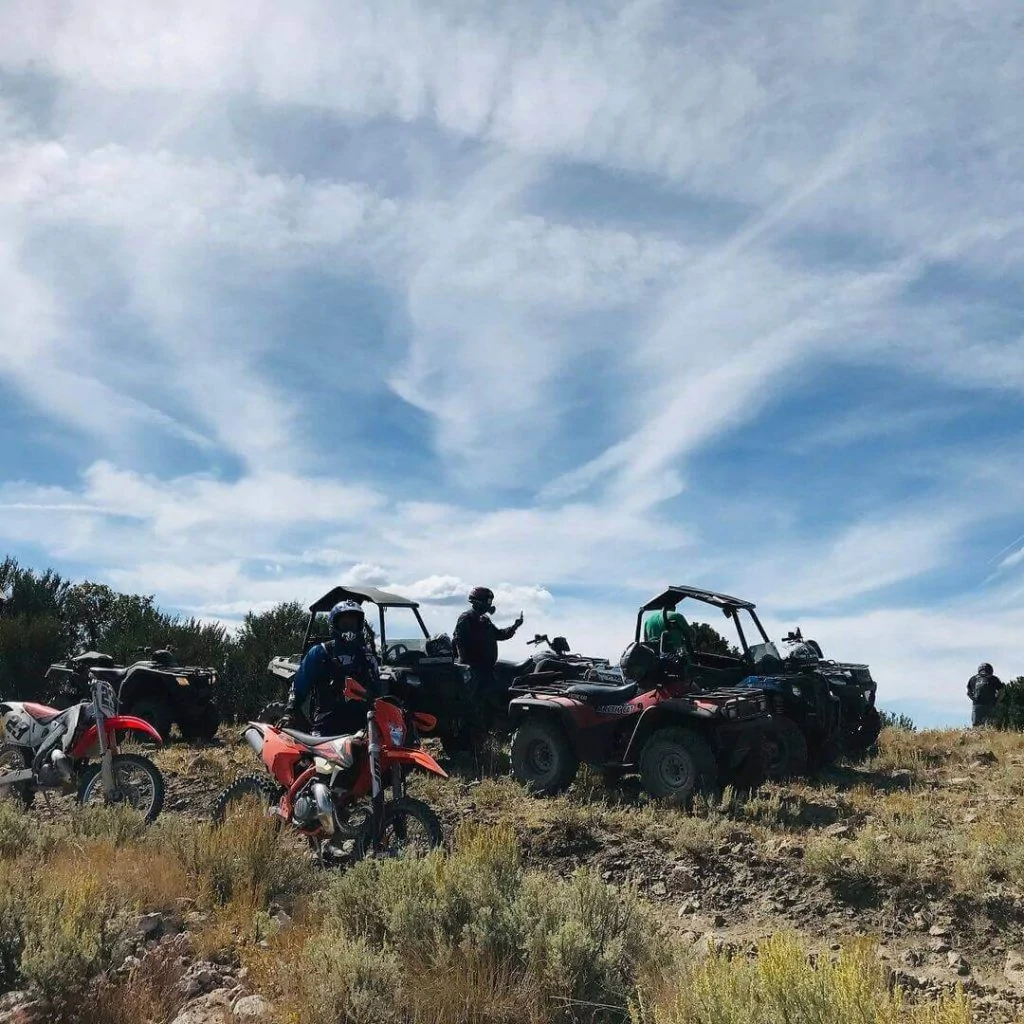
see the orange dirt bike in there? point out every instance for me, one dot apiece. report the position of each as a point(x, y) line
point(43, 749)
point(319, 784)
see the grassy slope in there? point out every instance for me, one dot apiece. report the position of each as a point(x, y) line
point(823, 894)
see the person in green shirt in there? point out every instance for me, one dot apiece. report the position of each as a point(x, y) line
point(672, 623)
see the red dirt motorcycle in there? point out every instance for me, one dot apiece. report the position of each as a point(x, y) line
point(43, 749)
point(322, 782)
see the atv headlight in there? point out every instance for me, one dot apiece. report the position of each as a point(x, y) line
point(182, 680)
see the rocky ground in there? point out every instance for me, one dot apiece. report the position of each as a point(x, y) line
point(920, 848)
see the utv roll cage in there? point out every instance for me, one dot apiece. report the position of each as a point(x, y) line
point(671, 598)
point(381, 598)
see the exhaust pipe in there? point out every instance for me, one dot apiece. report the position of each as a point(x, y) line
point(254, 737)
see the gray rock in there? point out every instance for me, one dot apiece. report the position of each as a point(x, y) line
point(213, 1008)
point(939, 931)
point(1014, 969)
point(958, 962)
point(659, 889)
point(151, 925)
point(251, 1008)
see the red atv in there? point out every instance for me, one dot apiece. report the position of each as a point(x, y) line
point(681, 739)
point(320, 783)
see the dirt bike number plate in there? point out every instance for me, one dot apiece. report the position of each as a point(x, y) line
point(107, 700)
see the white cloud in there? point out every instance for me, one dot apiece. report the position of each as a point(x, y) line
point(770, 193)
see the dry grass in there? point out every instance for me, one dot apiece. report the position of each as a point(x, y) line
point(783, 983)
point(490, 932)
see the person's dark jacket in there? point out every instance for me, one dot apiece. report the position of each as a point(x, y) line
point(984, 690)
point(318, 688)
point(476, 640)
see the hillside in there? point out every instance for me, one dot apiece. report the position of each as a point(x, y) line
point(891, 890)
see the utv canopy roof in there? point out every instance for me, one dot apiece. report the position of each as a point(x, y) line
point(674, 595)
point(372, 594)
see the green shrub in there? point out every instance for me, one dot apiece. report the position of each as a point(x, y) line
point(785, 984)
point(475, 936)
point(65, 933)
point(890, 720)
point(1009, 713)
point(13, 911)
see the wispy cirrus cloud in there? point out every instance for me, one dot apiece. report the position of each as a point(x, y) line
point(553, 297)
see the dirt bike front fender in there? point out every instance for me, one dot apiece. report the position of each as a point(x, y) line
point(89, 744)
point(416, 757)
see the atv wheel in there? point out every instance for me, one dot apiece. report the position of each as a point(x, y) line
point(542, 759)
point(863, 738)
point(203, 727)
point(676, 763)
point(255, 788)
point(751, 772)
point(156, 712)
point(138, 783)
point(14, 759)
point(410, 829)
point(785, 749)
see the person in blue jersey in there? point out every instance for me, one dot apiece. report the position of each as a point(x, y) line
point(317, 692)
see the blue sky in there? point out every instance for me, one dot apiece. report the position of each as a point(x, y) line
point(574, 300)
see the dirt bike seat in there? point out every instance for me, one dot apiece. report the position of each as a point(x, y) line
point(40, 712)
point(309, 740)
point(603, 693)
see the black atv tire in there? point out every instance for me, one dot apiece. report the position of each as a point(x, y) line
point(156, 711)
point(91, 778)
point(751, 772)
point(202, 727)
point(675, 763)
point(542, 759)
point(16, 759)
point(789, 756)
point(258, 786)
point(367, 845)
point(865, 735)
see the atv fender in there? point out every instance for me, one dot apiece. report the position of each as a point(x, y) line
point(666, 712)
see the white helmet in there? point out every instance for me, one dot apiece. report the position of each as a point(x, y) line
point(346, 608)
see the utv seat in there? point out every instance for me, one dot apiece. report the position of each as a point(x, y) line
point(604, 693)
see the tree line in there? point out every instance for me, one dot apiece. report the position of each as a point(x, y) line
point(47, 618)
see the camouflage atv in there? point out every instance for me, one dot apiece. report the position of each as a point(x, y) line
point(157, 689)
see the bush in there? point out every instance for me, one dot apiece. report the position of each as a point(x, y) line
point(784, 983)
point(473, 936)
point(890, 720)
point(1009, 713)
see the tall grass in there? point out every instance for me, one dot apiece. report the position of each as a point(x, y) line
point(783, 984)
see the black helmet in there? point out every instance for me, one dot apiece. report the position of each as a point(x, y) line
point(482, 596)
point(438, 646)
point(639, 663)
point(984, 669)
